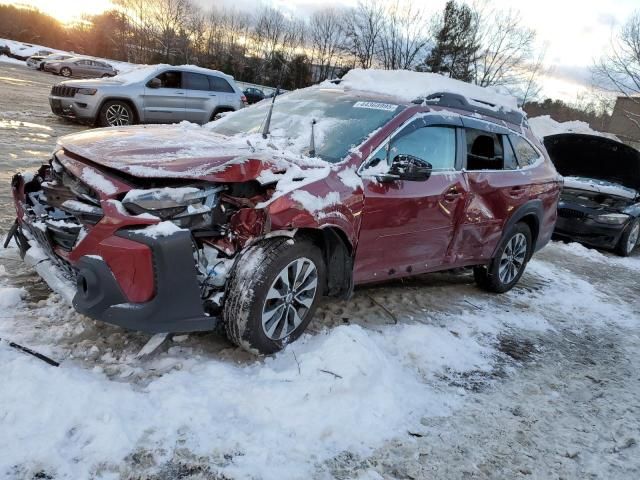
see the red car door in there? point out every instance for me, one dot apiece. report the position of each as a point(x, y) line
point(497, 187)
point(407, 227)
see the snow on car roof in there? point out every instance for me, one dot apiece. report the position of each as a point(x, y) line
point(142, 72)
point(409, 86)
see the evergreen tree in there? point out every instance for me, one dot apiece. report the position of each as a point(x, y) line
point(456, 44)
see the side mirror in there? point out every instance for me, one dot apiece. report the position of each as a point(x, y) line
point(154, 83)
point(408, 167)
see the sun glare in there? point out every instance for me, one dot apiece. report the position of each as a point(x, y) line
point(67, 11)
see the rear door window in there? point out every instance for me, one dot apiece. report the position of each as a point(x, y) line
point(525, 153)
point(217, 84)
point(195, 81)
point(484, 150)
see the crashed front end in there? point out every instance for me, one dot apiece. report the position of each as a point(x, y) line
point(150, 255)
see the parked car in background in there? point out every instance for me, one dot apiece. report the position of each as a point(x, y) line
point(254, 95)
point(158, 94)
point(27, 51)
point(174, 228)
point(80, 67)
point(38, 61)
point(600, 201)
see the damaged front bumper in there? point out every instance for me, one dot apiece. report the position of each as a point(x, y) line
point(582, 229)
point(91, 287)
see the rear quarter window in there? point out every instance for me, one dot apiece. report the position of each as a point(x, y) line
point(218, 84)
point(525, 153)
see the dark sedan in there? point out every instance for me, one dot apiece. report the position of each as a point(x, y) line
point(600, 201)
point(254, 95)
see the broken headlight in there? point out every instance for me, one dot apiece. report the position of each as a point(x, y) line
point(612, 218)
point(187, 207)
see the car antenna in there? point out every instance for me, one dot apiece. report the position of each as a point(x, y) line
point(312, 142)
point(267, 122)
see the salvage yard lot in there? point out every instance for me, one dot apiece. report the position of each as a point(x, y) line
point(426, 378)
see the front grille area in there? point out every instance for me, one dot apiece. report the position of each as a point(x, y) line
point(63, 91)
point(570, 213)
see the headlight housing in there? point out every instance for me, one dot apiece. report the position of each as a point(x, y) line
point(187, 207)
point(87, 91)
point(612, 218)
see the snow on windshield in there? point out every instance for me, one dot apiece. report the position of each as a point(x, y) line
point(409, 86)
point(343, 121)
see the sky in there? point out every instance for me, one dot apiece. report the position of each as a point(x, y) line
point(575, 32)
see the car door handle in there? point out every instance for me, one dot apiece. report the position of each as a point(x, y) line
point(179, 93)
point(452, 194)
point(212, 94)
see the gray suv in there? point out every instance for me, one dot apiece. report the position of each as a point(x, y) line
point(157, 94)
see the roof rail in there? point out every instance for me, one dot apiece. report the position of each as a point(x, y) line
point(455, 100)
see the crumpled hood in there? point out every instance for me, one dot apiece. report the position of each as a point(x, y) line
point(591, 156)
point(181, 151)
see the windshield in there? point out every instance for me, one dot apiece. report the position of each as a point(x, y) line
point(343, 121)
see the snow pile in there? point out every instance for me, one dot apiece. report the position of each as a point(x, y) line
point(545, 126)
point(5, 59)
point(10, 296)
point(409, 86)
point(341, 391)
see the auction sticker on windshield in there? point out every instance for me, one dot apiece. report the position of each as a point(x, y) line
point(389, 107)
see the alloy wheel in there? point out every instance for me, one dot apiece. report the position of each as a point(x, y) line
point(65, 72)
point(513, 258)
point(289, 299)
point(632, 241)
point(117, 116)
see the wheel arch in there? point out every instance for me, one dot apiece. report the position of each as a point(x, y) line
point(337, 251)
point(531, 214)
point(126, 100)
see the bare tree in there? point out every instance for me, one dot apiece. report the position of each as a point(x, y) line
point(506, 48)
point(363, 26)
point(404, 36)
point(327, 38)
point(619, 71)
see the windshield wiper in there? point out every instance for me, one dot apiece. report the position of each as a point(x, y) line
point(267, 122)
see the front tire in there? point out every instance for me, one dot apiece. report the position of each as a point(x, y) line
point(272, 294)
point(116, 114)
point(629, 239)
point(65, 72)
point(506, 268)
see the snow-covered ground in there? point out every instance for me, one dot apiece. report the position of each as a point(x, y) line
point(28, 49)
point(425, 378)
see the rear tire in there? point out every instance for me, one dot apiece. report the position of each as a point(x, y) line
point(65, 72)
point(116, 113)
point(511, 259)
point(629, 239)
point(272, 294)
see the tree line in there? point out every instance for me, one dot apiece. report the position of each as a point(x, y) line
point(478, 43)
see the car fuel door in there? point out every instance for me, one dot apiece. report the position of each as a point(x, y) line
point(409, 220)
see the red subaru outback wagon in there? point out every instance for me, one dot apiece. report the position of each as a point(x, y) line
point(252, 218)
